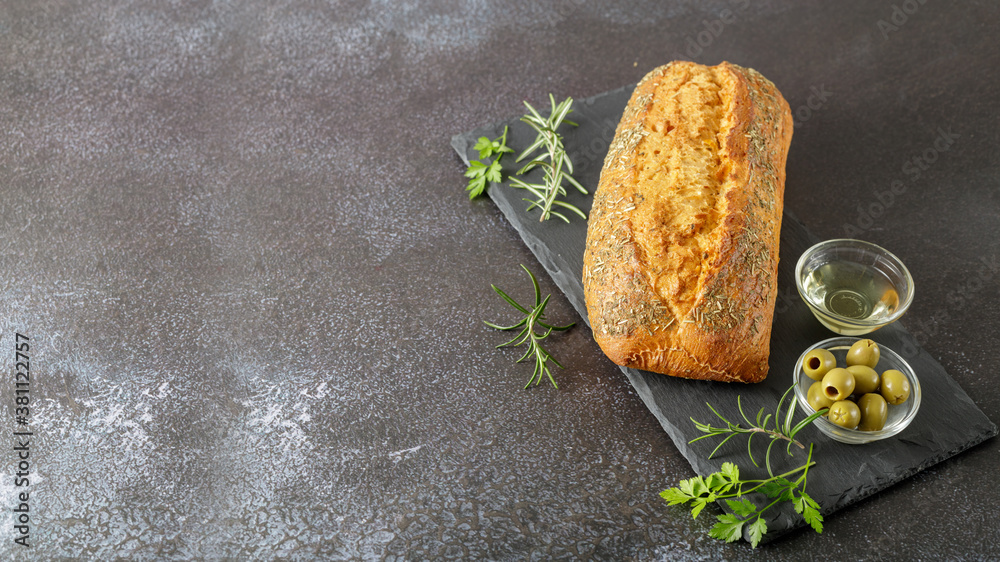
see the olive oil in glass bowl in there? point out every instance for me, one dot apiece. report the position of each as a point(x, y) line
point(853, 287)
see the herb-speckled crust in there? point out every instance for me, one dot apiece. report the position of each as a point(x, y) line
point(725, 325)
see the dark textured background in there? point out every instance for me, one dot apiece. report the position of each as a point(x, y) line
point(238, 238)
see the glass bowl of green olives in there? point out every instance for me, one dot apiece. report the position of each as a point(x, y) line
point(853, 287)
point(870, 392)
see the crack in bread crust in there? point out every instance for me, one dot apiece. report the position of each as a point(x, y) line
point(678, 166)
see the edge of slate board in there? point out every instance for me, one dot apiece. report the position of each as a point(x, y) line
point(844, 474)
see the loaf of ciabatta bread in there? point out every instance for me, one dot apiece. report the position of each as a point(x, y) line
point(680, 269)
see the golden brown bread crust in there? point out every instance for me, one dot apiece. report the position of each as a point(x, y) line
point(680, 268)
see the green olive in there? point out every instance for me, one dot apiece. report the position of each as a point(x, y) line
point(845, 414)
point(865, 379)
point(895, 387)
point(816, 398)
point(863, 352)
point(874, 412)
point(838, 384)
point(817, 363)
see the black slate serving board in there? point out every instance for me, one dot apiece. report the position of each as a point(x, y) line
point(947, 423)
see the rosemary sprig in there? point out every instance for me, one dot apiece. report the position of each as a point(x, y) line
point(783, 429)
point(532, 321)
point(482, 170)
point(554, 160)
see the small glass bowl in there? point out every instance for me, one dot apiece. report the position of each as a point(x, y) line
point(853, 287)
point(900, 415)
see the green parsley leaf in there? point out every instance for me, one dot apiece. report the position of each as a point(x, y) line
point(809, 510)
point(731, 471)
point(757, 530)
point(743, 507)
point(729, 528)
point(778, 488)
point(485, 147)
point(476, 187)
point(694, 486)
point(814, 519)
point(716, 481)
point(483, 171)
point(699, 504)
point(799, 504)
point(674, 496)
point(687, 486)
point(493, 173)
point(476, 169)
point(808, 499)
point(771, 489)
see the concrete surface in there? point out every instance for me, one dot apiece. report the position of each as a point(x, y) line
point(237, 238)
